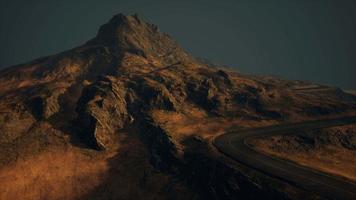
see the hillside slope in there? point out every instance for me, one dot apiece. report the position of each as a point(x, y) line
point(130, 114)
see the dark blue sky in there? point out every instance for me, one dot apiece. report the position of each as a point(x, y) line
point(295, 39)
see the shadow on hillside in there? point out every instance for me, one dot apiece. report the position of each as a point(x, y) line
point(131, 176)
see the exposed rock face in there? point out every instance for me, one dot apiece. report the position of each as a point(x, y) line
point(44, 106)
point(102, 111)
point(129, 34)
point(115, 82)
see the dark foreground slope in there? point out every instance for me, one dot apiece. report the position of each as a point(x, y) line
point(130, 115)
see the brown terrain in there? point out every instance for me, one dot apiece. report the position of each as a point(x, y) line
point(131, 115)
point(353, 92)
point(330, 150)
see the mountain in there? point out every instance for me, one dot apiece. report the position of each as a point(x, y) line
point(130, 114)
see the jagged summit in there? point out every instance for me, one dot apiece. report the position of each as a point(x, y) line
point(125, 44)
point(112, 32)
point(129, 33)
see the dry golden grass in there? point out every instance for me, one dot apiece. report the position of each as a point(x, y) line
point(194, 121)
point(67, 172)
point(55, 174)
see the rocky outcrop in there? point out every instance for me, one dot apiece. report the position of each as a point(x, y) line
point(44, 106)
point(162, 147)
point(102, 112)
point(155, 95)
point(133, 35)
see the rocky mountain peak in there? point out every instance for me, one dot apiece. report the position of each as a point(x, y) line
point(118, 26)
point(132, 93)
point(129, 33)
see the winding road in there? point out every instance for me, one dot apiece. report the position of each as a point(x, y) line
point(233, 144)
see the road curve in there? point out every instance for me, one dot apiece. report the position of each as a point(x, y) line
point(233, 144)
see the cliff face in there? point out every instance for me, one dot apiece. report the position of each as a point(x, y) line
point(131, 78)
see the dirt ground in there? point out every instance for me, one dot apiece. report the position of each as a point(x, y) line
point(330, 150)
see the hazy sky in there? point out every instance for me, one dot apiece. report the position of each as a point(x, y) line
point(296, 39)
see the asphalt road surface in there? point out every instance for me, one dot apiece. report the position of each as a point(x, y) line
point(233, 144)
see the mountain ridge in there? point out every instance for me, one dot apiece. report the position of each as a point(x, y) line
point(133, 83)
